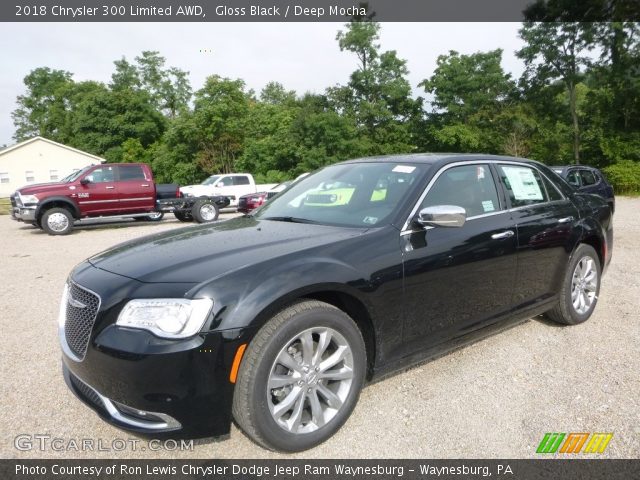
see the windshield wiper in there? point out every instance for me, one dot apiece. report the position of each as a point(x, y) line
point(289, 219)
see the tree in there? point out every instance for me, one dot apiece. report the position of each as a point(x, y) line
point(41, 109)
point(557, 51)
point(378, 95)
point(469, 94)
point(219, 116)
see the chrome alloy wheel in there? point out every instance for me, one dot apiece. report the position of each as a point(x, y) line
point(58, 222)
point(310, 380)
point(584, 283)
point(208, 212)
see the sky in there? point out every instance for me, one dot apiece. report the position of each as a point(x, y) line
point(302, 56)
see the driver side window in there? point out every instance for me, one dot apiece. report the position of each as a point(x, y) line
point(101, 175)
point(468, 186)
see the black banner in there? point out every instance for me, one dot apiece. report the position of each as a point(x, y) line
point(316, 10)
point(578, 469)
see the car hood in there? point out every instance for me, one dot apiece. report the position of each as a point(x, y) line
point(41, 188)
point(198, 254)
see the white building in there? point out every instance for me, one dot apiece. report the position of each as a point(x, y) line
point(39, 160)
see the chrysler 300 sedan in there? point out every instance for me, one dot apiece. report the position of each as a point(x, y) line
point(278, 319)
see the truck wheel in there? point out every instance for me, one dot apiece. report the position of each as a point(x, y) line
point(154, 217)
point(184, 216)
point(57, 221)
point(204, 211)
point(300, 377)
point(580, 288)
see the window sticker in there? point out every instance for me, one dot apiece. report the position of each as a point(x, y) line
point(487, 206)
point(403, 169)
point(370, 220)
point(523, 183)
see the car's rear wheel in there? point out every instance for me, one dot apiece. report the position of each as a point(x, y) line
point(57, 221)
point(300, 378)
point(580, 288)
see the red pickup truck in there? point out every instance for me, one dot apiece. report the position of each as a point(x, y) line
point(108, 190)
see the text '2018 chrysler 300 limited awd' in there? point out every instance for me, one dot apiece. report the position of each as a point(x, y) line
point(358, 270)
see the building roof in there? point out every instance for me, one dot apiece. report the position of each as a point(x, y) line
point(31, 140)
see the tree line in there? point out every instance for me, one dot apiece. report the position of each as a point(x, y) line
point(578, 101)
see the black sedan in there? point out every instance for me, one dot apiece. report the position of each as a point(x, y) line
point(279, 319)
point(588, 180)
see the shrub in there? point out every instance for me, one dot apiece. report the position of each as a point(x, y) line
point(624, 176)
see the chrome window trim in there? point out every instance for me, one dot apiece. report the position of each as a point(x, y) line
point(406, 226)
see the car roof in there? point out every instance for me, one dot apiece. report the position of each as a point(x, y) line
point(432, 158)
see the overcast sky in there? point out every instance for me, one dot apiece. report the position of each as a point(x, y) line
point(302, 56)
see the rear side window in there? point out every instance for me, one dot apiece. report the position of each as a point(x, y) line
point(523, 184)
point(131, 172)
point(552, 191)
point(468, 186)
point(241, 180)
point(588, 178)
point(573, 178)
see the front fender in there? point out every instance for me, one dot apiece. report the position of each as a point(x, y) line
point(43, 205)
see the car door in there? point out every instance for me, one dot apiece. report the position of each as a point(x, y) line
point(135, 189)
point(97, 192)
point(458, 280)
point(544, 219)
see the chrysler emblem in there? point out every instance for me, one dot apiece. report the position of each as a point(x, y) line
point(75, 303)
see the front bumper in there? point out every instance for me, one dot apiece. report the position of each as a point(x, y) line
point(149, 385)
point(23, 214)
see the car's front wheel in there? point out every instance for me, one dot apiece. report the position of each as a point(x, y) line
point(57, 221)
point(580, 288)
point(300, 377)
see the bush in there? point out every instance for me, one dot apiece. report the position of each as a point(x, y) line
point(624, 176)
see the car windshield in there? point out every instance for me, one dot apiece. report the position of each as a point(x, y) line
point(351, 195)
point(71, 177)
point(211, 180)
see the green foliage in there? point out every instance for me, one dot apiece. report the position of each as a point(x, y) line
point(624, 176)
point(569, 105)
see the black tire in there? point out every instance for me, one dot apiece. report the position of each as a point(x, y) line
point(204, 211)
point(564, 312)
point(53, 222)
point(251, 397)
point(183, 216)
point(155, 217)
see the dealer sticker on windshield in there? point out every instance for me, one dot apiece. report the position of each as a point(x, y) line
point(403, 169)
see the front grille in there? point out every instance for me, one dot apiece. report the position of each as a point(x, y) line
point(15, 200)
point(81, 310)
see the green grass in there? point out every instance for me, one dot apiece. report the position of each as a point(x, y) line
point(5, 206)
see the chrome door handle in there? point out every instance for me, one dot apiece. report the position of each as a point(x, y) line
point(506, 234)
point(109, 188)
point(144, 185)
point(565, 220)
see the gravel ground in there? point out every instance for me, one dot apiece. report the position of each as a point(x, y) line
point(496, 398)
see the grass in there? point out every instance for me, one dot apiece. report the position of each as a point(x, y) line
point(5, 206)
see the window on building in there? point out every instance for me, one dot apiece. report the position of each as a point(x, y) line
point(30, 176)
point(4, 177)
point(53, 175)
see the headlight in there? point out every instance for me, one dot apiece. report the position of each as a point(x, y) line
point(166, 317)
point(26, 199)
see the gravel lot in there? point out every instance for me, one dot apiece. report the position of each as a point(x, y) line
point(496, 398)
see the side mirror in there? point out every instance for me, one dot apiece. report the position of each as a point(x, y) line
point(85, 181)
point(442, 216)
point(219, 185)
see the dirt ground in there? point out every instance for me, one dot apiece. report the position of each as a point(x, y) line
point(494, 399)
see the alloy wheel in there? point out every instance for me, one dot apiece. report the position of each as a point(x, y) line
point(584, 284)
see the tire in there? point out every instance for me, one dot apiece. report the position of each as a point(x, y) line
point(205, 211)
point(154, 217)
point(57, 221)
point(585, 257)
point(184, 216)
point(253, 402)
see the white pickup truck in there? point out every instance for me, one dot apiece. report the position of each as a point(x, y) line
point(231, 185)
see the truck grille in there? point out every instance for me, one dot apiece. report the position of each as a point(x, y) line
point(15, 200)
point(80, 315)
